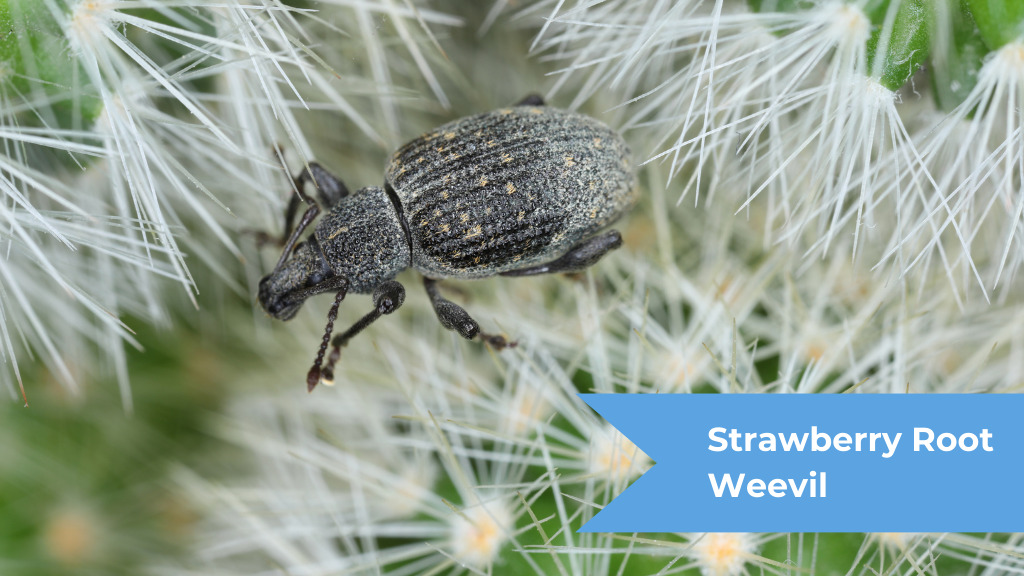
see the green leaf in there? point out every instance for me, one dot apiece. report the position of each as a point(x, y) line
point(779, 5)
point(957, 54)
point(900, 41)
point(36, 68)
point(1000, 21)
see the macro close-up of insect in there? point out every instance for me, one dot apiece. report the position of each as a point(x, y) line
point(519, 191)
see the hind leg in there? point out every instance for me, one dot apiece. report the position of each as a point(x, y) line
point(579, 257)
point(531, 100)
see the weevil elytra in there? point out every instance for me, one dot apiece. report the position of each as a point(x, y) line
point(519, 191)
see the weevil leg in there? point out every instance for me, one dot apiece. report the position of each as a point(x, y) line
point(293, 238)
point(580, 257)
point(454, 317)
point(387, 298)
point(329, 187)
point(531, 100)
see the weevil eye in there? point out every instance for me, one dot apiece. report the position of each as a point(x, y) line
point(319, 275)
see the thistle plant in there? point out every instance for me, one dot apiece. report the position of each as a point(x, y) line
point(831, 202)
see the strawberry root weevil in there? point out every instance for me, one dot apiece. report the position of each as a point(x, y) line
point(519, 191)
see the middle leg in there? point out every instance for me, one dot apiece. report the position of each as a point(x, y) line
point(454, 317)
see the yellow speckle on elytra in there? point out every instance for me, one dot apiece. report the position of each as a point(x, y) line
point(454, 156)
point(490, 143)
point(522, 214)
point(597, 143)
point(449, 135)
point(445, 227)
point(474, 232)
point(593, 213)
point(593, 185)
point(437, 213)
point(476, 260)
point(505, 111)
point(439, 149)
point(341, 230)
point(506, 158)
point(536, 111)
point(483, 180)
point(569, 161)
point(464, 217)
point(420, 160)
point(510, 187)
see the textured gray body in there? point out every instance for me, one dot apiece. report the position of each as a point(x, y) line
point(362, 240)
point(504, 190)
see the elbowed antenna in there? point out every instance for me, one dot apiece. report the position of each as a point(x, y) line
point(313, 376)
point(386, 299)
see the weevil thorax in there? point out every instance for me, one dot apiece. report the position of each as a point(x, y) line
point(363, 239)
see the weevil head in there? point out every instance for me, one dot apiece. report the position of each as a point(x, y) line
point(303, 274)
point(357, 246)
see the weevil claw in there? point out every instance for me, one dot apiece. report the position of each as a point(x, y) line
point(497, 341)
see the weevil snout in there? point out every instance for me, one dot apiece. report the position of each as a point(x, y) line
point(274, 303)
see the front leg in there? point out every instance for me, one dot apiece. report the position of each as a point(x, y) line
point(454, 317)
point(330, 189)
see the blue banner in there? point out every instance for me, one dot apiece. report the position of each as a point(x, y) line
point(819, 463)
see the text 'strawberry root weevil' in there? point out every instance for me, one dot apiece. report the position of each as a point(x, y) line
point(519, 191)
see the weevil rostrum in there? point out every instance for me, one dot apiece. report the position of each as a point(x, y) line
point(523, 190)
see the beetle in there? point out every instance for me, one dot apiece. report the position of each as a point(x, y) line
point(519, 191)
